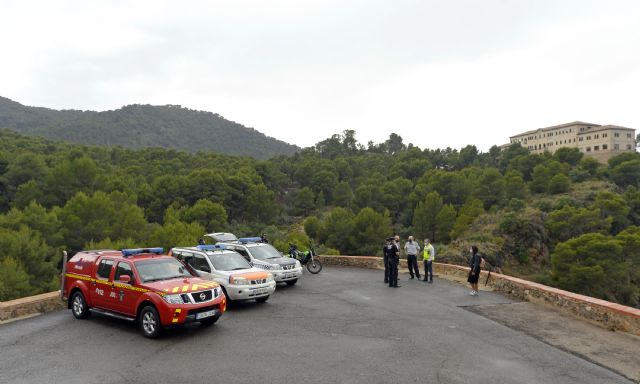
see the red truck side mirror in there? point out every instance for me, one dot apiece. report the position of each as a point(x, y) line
point(125, 279)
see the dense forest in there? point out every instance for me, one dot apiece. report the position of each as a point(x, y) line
point(559, 219)
point(143, 126)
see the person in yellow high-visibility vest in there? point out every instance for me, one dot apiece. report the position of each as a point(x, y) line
point(428, 255)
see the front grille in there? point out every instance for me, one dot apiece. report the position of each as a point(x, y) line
point(287, 267)
point(258, 281)
point(202, 296)
point(205, 309)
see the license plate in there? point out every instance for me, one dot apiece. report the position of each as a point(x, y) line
point(260, 291)
point(202, 315)
point(289, 275)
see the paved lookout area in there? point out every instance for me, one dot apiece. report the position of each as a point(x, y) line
point(341, 326)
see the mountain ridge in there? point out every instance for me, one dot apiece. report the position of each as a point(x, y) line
point(143, 126)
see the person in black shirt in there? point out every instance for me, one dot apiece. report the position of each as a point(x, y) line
point(474, 270)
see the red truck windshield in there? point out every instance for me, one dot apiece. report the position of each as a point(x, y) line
point(161, 269)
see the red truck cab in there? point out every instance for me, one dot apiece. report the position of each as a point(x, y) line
point(142, 285)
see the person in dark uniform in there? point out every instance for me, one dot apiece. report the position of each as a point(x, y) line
point(392, 254)
point(385, 261)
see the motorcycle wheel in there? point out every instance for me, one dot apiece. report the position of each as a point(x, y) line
point(314, 266)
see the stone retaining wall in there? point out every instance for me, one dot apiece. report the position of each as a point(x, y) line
point(32, 305)
point(600, 312)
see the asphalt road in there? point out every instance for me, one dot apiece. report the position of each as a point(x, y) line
point(341, 326)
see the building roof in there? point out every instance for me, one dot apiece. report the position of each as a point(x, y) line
point(605, 128)
point(554, 127)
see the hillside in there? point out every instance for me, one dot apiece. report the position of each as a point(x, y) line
point(143, 126)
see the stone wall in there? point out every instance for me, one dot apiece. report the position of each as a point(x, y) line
point(600, 312)
point(32, 305)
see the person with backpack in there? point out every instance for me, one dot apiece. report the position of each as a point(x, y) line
point(475, 265)
point(411, 248)
point(428, 256)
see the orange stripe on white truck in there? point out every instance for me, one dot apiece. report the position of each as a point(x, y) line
point(254, 275)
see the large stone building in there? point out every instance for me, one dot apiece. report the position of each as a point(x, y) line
point(598, 141)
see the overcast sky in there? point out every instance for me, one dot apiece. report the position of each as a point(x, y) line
point(438, 73)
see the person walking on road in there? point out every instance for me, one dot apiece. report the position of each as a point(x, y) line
point(474, 271)
point(392, 254)
point(411, 248)
point(428, 256)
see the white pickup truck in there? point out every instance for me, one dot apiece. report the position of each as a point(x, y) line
point(261, 255)
point(239, 280)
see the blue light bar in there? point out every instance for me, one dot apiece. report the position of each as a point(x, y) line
point(209, 247)
point(245, 240)
point(137, 251)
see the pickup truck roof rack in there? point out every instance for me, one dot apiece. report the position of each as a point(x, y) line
point(246, 240)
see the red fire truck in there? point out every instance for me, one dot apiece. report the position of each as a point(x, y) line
point(140, 285)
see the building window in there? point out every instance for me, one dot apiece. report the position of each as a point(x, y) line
point(596, 148)
point(628, 135)
point(588, 137)
point(616, 134)
point(580, 139)
point(629, 146)
point(588, 149)
point(604, 147)
point(596, 137)
point(604, 135)
point(616, 146)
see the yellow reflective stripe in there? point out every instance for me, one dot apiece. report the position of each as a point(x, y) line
point(176, 315)
point(198, 286)
point(79, 277)
point(118, 285)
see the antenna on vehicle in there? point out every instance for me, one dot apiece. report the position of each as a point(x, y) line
point(62, 276)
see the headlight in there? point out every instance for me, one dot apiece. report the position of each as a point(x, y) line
point(239, 280)
point(173, 299)
point(269, 278)
point(298, 265)
point(275, 267)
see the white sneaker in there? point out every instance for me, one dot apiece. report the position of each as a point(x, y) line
point(473, 293)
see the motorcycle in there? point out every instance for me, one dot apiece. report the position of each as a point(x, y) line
point(306, 258)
